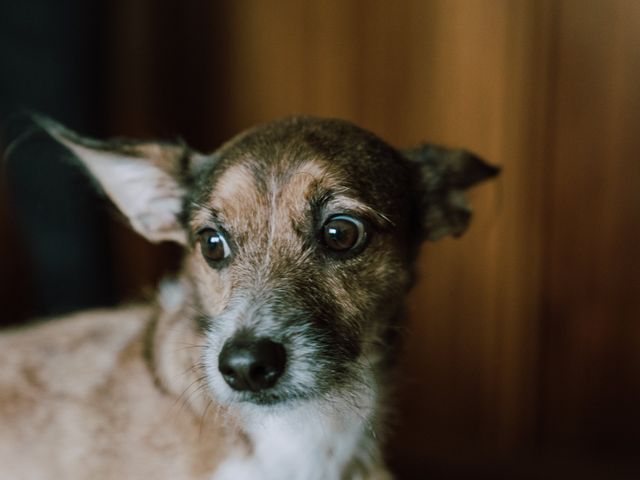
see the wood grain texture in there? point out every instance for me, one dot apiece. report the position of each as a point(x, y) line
point(592, 321)
point(524, 335)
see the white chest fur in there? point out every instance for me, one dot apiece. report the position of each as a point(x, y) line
point(305, 443)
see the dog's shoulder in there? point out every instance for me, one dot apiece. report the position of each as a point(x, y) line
point(68, 353)
point(77, 393)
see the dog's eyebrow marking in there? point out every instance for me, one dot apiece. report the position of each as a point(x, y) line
point(327, 190)
point(235, 194)
point(213, 217)
point(205, 215)
point(236, 179)
point(341, 200)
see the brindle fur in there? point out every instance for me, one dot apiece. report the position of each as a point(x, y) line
point(136, 393)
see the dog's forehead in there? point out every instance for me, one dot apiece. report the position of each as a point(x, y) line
point(248, 183)
point(284, 193)
point(297, 160)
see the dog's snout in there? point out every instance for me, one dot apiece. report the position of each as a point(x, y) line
point(251, 364)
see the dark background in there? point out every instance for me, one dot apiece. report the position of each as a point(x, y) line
point(523, 359)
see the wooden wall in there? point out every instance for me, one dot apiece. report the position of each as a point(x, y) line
point(591, 321)
point(523, 352)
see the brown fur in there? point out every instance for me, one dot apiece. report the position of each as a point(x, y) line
point(77, 400)
point(135, 392)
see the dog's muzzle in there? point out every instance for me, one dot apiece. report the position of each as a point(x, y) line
point(250, 364)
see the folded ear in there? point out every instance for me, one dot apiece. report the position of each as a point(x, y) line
point(146, 181)
point(443, 176)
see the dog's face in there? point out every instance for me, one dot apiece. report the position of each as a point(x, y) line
point(300, 237)
point(300, 247)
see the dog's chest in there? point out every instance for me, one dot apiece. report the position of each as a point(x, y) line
point(297, 445)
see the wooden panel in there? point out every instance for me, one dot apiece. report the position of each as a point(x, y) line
point(592, 321)
point(298, 58)
point(480, 83)
point(524, 334)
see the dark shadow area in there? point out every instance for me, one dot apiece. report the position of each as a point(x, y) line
point(52, 60)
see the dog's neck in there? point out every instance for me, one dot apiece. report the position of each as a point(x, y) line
point(314, 439)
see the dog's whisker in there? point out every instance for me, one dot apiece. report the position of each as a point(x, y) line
point(183, 398)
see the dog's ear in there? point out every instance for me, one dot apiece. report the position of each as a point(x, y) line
point(443, 175)
point(145, 180)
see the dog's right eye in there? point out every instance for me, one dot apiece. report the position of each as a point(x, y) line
point(213, 245)
point(344, 233)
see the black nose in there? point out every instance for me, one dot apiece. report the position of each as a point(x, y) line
point(251, 364)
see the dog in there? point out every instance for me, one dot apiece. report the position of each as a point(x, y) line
point(271, 355)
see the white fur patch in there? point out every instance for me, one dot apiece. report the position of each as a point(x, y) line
point(313, 441)
point(171, 295)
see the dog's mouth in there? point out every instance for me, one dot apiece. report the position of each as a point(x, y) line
point(259, 398)
point(282, 394)
point(269, 397)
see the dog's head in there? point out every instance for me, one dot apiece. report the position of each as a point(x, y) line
point(300, 237)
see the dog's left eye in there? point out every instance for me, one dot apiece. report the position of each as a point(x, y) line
point(342, 233)
point(213, 245)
